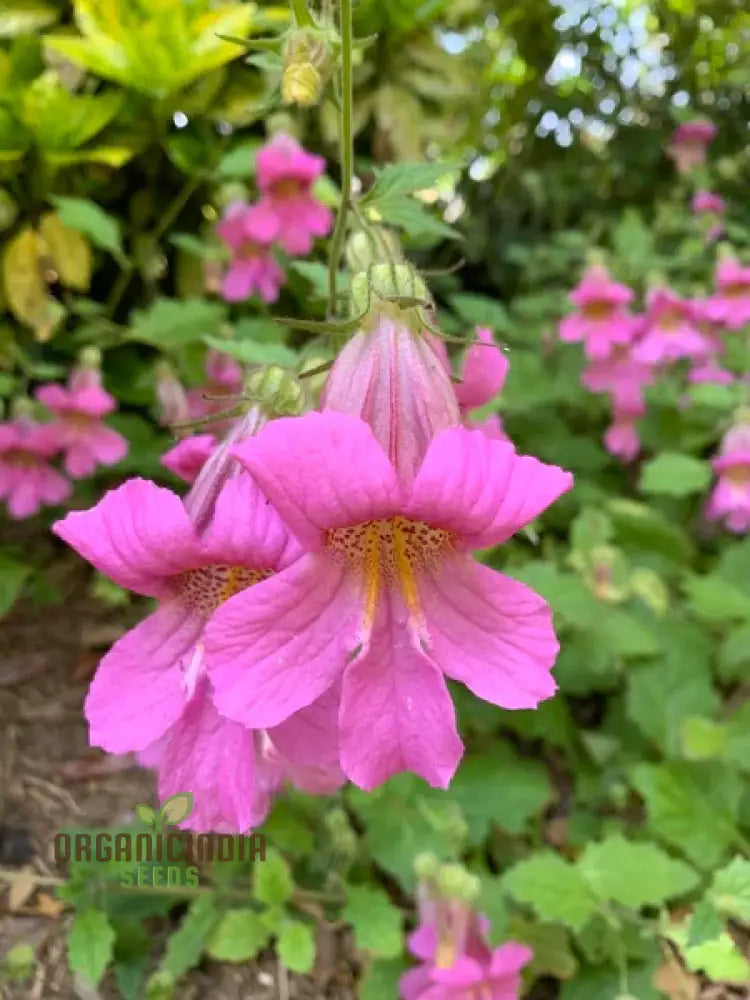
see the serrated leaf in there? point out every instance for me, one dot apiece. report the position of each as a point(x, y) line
point(413, 218)
point(186, 945)
point(272, 879)
point(551, 946)
point(634, 874)
point(554, 889)
point(88, 218)
point(296, 946)
point(376, 921)
point(404, 178)
point(177, 808)
point(693, 806)
point(673, 474)
point(174, 323)
point(730, 889)
point(90, 945)
point(238, 936)
point(253, 352)
point(502, 788)
point(705, 924)
point(719, 959)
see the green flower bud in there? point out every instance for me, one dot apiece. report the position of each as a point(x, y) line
point(277, 392)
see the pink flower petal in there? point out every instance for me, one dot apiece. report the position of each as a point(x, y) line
point(245, 529)
point(277, 646)
point(396, 712)
point(79, 461)
point(311, 736)
point(188, 456)
point(55, 397)
point(108, 446)
point(415, 983)
point(480, 489)
point(215, 760)
point(490, 632)
point(509, 959)
point(484, 372)
point(320, 471)
point(139, 535)
point(136, 693)
point(462, 975)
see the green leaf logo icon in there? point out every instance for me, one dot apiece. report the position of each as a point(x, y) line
point(146, 814)
point(177, 808)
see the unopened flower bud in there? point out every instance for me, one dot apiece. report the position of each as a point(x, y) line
point(276, 392)
point(426, 866)
point(372, 291)
point(374, 247)
point(454, 882)
point(307, 63)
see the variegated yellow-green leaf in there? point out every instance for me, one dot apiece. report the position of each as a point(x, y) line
point(60, 120)
point(25, 290)
point(158, 48)
point(69, 252)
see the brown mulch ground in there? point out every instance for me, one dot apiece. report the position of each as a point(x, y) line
point(51, 780)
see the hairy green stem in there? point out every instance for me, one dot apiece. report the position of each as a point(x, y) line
point(347, 151)
point(301, 14)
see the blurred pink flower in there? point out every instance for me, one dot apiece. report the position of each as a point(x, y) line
point(457, 963)
point(730, 305)
point(712, 207)
point(388, 598)
point(689, 143)
point(670, 330)
point(730, 500)
point(602, 320)
point(483, 375)
point(253, 267)
point(27, 480)
point(171, 396)
point(79, 430)
point(287, 212)
point(621, 438)
point(620, 376)
point(224, 378)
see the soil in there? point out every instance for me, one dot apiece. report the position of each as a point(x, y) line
point(51, 780)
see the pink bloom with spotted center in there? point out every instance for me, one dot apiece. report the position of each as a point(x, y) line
point(730, 500)
point(670, 330)
point(730, 305)
point(387, 598)
point(78, 429)
point(602, 320)
point(150, 692)
point(27, 481)
point(288, 213)
point(252, 269)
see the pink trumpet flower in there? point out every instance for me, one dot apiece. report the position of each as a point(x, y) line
point(27, 481)
point(483, 376)
point(388, 598)
point(252, 268)
point(730, 500)
point(602, 320)
point(670, 330)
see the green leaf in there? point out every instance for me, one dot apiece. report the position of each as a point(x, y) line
point(605, 983)
point(239, 162)
point(716, 600)
point(21, 17)
point(404, 178)
point(253, 352)
point(701, 738)
point(296, 946)
point(90, 945)
point(13, 575)
point(693, 806)
point(555, 889)
point(273, 879)
point(88, 218)
point(675, 475)
point(500, 787)
point(170, 324)
point(705, 924)
point(380, 979)
point(634, 874)
point(719, 959)
point(238, 937)
point(186, 945)
point(478, 310)
point(551, 946)
point(376, 921)
point(414, 219)
point(730, 889)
